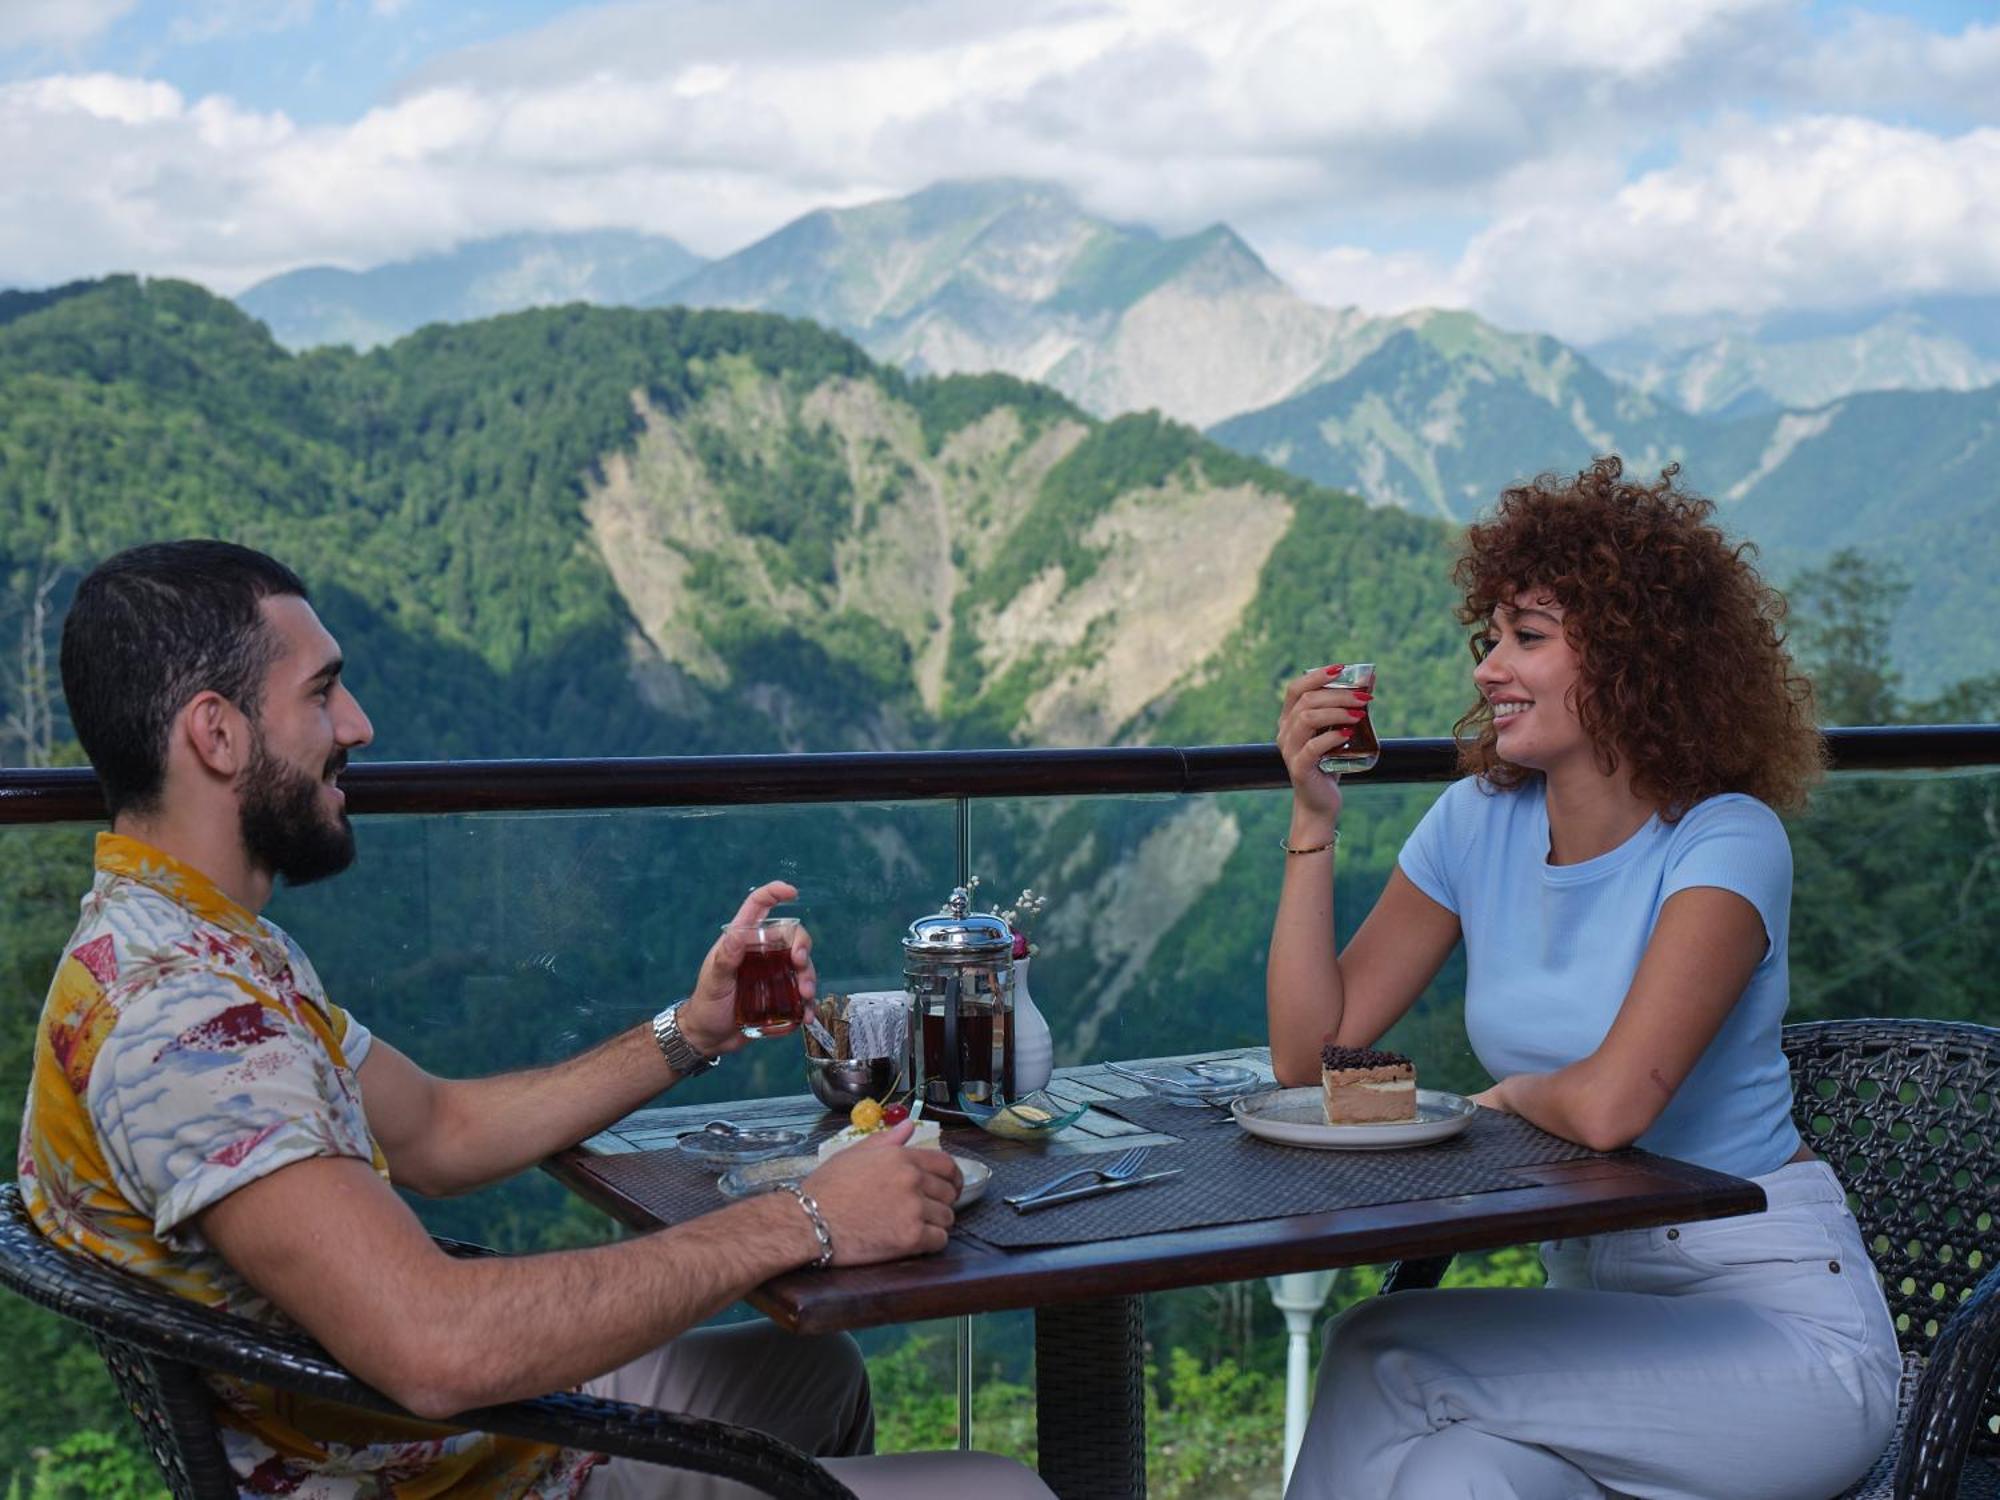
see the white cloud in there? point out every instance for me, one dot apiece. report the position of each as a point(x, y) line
point(1375, 281)
point(1187, 110)
point(1880, 63)
point(1295, 119)
point(1822, 212)
point(64, 24)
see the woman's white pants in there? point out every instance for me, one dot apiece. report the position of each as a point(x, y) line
point(1750, 1358)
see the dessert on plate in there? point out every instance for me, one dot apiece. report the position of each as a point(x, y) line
point(868, 1117)
point(1364, 1086)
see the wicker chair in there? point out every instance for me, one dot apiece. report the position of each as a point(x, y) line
point(158, 1345)
point(1908, 1113)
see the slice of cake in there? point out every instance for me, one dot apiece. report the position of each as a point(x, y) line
point(867, 1123)
point(1367, 1087)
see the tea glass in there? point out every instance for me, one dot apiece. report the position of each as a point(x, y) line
point(768, 1002)
point(1362, 749)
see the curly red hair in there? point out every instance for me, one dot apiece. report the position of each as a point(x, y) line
point(1685, 674)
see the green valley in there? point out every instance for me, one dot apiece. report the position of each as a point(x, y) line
point(614, 531)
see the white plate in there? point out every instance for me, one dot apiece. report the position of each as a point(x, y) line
point(764, 1176)
point(1297, 1117)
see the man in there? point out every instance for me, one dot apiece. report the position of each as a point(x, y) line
point(202, 1114)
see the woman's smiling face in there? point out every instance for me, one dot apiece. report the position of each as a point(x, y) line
point(1532, 677)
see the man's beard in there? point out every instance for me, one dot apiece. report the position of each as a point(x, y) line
point(284, 828)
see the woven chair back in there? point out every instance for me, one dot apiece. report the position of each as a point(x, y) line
point(1908, 1114)
point(169, 1400)
point(175, 1411)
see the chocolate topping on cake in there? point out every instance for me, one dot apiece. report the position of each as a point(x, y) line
point(1338, 1058)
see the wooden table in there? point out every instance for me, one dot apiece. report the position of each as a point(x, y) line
point(1088, 1327)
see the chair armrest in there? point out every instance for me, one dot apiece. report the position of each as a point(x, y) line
point(700, 1444)
point(1953, 1390)
point(127, 1310)
point(1415, 1275)
point(232, 1345)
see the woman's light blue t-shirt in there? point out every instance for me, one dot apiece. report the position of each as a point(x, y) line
point(1551, 951)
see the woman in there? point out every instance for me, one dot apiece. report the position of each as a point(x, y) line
point(1622, 885)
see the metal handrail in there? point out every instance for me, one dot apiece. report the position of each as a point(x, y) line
point(71, 794)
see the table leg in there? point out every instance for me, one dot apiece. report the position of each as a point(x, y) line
point(1090, 1398)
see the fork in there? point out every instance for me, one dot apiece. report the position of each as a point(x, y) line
point(1125, 1166)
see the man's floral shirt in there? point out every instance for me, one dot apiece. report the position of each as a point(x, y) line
point(186, 1049)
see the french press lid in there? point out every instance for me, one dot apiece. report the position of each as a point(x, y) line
point(956, 932)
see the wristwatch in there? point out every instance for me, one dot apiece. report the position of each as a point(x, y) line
point(675, 1047)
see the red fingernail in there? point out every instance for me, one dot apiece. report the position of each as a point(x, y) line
point(1364, 695)
point(1332, 671)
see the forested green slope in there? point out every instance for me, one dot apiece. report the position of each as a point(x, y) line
point(586, 531)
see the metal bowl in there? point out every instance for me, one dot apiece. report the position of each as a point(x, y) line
point(842, 1082)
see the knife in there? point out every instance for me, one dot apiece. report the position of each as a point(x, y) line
point(1089, 1190)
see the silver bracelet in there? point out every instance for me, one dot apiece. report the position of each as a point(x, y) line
point(820, 1231)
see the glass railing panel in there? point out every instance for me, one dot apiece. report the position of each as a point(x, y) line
point(1153, 938)
point(483, 943)
point(52, 1386)
point(1896, 897)
point(479, 943)
point(44, 872)
point(1159, 913)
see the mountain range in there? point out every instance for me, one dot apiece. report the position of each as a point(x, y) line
point(1434, 411)
point(328, 305)
point(1736, 367)
point(1009, 275)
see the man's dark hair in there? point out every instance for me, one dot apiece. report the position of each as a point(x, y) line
point(148, 630)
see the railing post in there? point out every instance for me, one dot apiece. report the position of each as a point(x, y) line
point(964, 1382)
point(962, 839)
point(1299, 1297)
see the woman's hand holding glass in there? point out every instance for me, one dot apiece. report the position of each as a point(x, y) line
point(1317, 718)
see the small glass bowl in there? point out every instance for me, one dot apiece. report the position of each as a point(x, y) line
point(1194, 1084)
point(767, 1176)
point(1028, 1118)
point(764, 1176)
point(733, 1150)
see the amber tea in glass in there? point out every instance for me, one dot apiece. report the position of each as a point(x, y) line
point(1362, 749)
point(767, 986)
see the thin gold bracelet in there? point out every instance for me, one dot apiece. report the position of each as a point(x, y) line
point(1315, 849)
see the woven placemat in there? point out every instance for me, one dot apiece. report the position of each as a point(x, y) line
point(1188, 1121)
point(1227, 1177)
point(1230, 1177)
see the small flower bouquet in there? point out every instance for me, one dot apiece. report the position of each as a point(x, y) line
point(1020, 918)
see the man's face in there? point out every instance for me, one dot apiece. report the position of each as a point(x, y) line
point(293, 817)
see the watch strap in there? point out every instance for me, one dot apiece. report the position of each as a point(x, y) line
point(674, 1046)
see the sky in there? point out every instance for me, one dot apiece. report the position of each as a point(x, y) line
point(1584, 169)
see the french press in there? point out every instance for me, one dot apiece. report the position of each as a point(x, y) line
point(958, 974)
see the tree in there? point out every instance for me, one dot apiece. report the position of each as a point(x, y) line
point(1845, 610)
point(28, 689)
